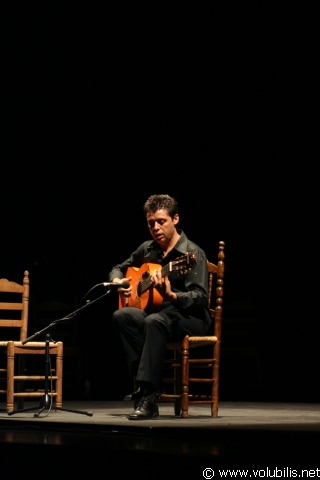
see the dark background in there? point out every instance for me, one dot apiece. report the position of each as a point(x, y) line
point(102, 109)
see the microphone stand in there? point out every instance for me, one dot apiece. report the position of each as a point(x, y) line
point(45, 401)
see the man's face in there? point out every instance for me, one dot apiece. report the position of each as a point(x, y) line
point(161, 226)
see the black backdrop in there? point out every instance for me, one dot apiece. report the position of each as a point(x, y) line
point(101, 111)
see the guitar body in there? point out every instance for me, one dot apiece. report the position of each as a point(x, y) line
point(143, 294)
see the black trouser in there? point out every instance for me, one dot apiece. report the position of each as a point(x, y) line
point(144, 337)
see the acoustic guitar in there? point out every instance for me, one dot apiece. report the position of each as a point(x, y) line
point(143, 294)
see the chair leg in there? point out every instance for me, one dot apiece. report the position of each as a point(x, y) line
point(185, 378)
point(215, 386)
point(215, 399)
point(59, 369)
point(10, 375)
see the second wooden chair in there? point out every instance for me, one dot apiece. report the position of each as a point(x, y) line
point(16, 382)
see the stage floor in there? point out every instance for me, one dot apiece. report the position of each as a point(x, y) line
point(245, 435)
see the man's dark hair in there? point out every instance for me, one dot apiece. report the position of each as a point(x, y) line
point(158, 202)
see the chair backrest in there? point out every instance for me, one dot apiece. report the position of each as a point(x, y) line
point(216, 278)
point(14, 306)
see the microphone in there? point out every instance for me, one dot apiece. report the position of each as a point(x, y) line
point(124, 284)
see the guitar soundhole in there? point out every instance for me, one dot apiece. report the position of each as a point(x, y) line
point(144, 277)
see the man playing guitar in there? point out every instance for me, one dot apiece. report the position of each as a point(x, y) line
point(166, 299)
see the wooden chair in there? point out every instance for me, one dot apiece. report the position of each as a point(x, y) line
point(15, 380)
point(191, 370)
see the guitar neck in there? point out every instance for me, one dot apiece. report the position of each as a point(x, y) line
point(166, 269)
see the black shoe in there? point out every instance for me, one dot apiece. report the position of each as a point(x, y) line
point(146, 409)
point(136, 395)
